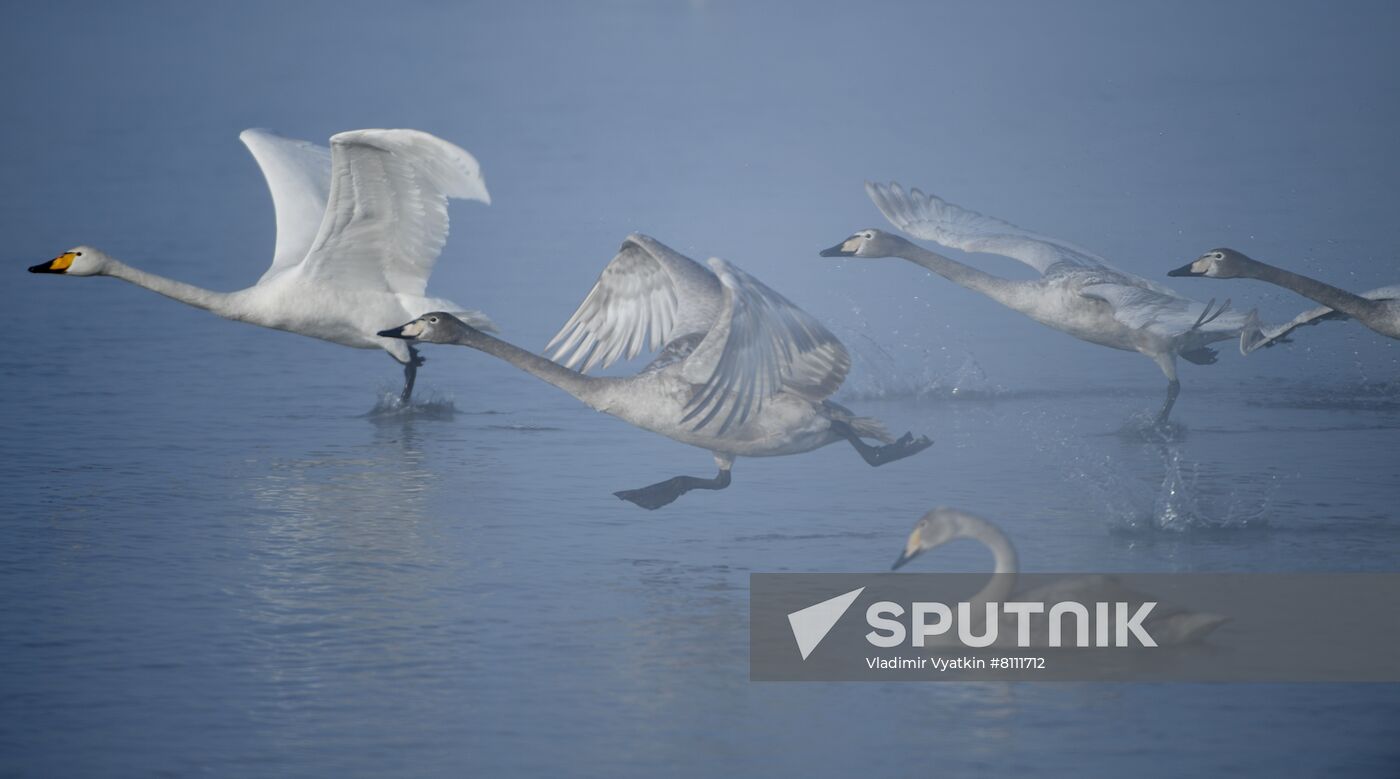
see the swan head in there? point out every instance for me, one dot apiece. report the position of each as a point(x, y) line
point(1216, 264)
point(78, 261)
point(437, 327)
point(865, 243)
point(935, 529)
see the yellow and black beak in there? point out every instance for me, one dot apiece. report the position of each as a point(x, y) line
point(59, 264)
point(909, 553)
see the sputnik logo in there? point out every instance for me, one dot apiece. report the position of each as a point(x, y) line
point(810, 625)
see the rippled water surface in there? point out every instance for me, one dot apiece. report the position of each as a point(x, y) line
point(213, 560)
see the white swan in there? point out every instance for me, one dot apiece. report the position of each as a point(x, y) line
point(1378, 309)
point(359, 227)
point(1078, 293)
point(743, 372)
point(1166, 624)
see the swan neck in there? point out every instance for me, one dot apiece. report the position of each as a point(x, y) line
point(963, 275)
point(1333, 297)
point(1005, 567)
point(575, 383)
point(176, 290)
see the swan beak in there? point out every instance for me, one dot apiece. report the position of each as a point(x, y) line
point(1185, 270)
point(58, 264)
point(904, 557)
point(398, 332)
point(844, 249)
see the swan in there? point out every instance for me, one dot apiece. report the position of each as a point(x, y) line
point(1078, 292)
point(1378, 309)
point(742, 372)
point(359, 227)
point(1166, 624)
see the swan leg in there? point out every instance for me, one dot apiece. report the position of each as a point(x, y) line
point(410, 374)
point(1173, 389)
point(906, 446)
point(654, 496)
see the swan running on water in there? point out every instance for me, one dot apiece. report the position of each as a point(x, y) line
point(1078, 293)
point(1378, 309)
point(742, 372)
point(359, 227)
point(1166, 624)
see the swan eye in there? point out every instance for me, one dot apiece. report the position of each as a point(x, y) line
point(77, 254)
point(432, 319)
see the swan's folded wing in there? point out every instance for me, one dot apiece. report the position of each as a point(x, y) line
point(645, 295)
point(760, 345)
point(386, 221)
point(1271, 335)
point(935, 219)
point(298, 175)
point(1165, 314)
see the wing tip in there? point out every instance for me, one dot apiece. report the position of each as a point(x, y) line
point(467, 184)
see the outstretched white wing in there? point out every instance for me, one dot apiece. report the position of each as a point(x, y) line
point(1263, 336)
point(298, 174)
point(761, 344)
point(649, 294)
point(935, 219)
point(386, 219)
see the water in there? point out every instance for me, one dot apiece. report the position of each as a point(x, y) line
point(214, 561)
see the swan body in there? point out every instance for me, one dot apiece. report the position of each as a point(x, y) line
point(1167, 625)
point(742, 371)
point(359, 228)
point(1078, 292)
point(1378, 309)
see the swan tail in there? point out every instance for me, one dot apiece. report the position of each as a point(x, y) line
point(476, 319)
point(870, 427)
point(865, 427)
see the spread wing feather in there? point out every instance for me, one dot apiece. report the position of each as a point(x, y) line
point(935, 219)
point(298, 174)
point(386, 222)
point(760, 345)
point(648, 296)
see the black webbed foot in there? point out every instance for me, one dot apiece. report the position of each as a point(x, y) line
point(654, 496)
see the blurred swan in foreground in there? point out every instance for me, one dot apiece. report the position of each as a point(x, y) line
point(1166, 624)
point(742, 371)
point(1078, 293)
point(1378, 309)
point(359, 227)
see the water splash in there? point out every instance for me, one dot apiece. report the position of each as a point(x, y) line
point(1145, 427)
point(1183, 503)
point(919, 372)
point(1186, 497)
point(389, 408)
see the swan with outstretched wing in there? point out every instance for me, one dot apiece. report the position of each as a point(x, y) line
point(1078, 292)
point(742, 371)
point(359, 228)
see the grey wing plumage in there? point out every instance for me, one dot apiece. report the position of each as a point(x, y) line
point(761, 344)
point(1168, 315)
point(935, 219)
point(647, 295)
